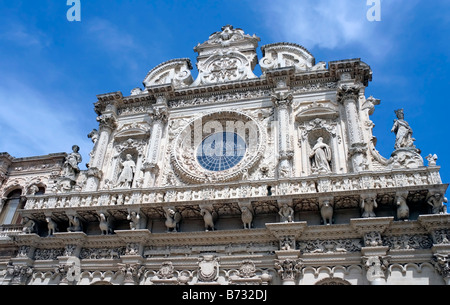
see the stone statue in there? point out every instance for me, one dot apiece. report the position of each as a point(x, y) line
point(29, 225)
point(368, 205)
point(173, 219)
point(321, 157)
point(51, 225)
point(71, 162)
point(134, 219)
point(326, 211)
point(403, 132)
point(432, 159)
point(247, 217)
point(93, 135)
point(286, 213)
point(402, 208)
point(209, 218)
point(437, 203)
point(127, 174)
point(105, 224)
point(74, 224)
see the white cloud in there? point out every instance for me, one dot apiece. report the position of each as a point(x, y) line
point(332, 24)
point(32, 123)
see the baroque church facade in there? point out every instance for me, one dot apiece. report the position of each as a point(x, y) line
point(229, 179)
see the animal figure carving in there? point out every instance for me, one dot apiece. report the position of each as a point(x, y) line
point(173, 219)
point(326, 211)
point(247, 217)
point(209, 218)
point(105, 224)
point(52, 226)
point(402, 208)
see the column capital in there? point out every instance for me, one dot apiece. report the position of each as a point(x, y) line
point(282, 99)
point(348, 91)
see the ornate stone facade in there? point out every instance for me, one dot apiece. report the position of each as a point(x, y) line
point(230, 178)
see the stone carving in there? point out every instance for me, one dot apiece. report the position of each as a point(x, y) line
point(209, 217)
point(320, 157)
point(135, 220)
point(247, 217)
point(281, 55)
point(436, 202)
point(286, 213)
point(402, 208)
point(93, 135)
point(330, 246)
point(376, 267)
point(105, 224)
point(75, 224)
point(432, 159)
point(288, 269)
point(173, 219)
point(71, 162)
point(128, 170)
point(20, 273)
point(166, 271)
point(373, 239)
point(29, 226)
point(441, 263)
point(368, 205)
point(176, 72)
point(287, 243)
point(326, 212)
point(228, 55)
point(51, 225)
point(403, 132)
point(208, 268)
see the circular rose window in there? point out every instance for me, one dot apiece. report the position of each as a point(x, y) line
point(221, 151)
point(217, 147)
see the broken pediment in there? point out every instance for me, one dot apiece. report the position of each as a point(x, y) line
point(281, 55)
point(176, 72)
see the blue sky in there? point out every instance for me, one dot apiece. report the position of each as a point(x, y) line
point(51, 69)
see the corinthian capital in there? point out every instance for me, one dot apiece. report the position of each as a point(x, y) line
point(288, 269)
point(161, 114)
point(282, 99)
point(107, 121)
point(348, 91)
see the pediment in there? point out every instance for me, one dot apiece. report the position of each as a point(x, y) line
point(316, 111)
point(176, 72)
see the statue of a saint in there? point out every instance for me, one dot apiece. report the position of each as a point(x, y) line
point(321, 157)
point(127, 174)
point(71, 168)
point(403, 132)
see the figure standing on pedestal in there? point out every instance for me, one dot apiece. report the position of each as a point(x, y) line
point(126, 177)
point(403, 132)
point(286, 213)
point(71, 168)
point(321, 157)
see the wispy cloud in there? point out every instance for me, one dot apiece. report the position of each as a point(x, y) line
point(335, 24)
point(31, 124)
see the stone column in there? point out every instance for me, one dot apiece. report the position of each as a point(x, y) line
point(107, 125)
point(160, 118)
point(348, 95)
point(282, 101)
